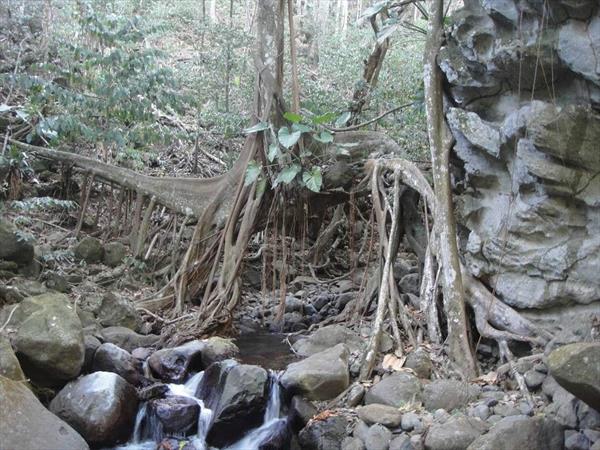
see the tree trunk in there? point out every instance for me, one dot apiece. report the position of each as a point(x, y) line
point(459, 348)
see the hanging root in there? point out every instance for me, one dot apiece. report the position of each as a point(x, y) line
point(493, 318)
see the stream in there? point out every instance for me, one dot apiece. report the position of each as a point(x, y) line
point(148, 431)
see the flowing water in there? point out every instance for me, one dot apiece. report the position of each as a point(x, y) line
point(148, 432)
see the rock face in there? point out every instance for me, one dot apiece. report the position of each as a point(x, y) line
point(9, 364)
point(532, 433)
point(397, 390)
point(528, 164)
point(112, 310)
point(237, 394)
point(100, 406)
point(576, 367)
point(13, 247)
point(321, 376)
point(49, 339)
point(27, 424)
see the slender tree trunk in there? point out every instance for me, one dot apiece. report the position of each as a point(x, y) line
point(213, 11)
point(295, 82)
point(228, 60)
point(459, 348)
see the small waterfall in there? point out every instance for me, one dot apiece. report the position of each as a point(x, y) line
point(148, 431)
point(137, 430)
point(273, 427)
point(189, 388)
point(274, 403)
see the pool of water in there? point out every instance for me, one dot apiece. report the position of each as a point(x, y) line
point(265, 349)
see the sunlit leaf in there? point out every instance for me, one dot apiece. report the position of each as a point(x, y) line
point(324, 118)
point(292, 117)
point(287, 175)
point(286, 138)
point(313, 179)
point(260, 126)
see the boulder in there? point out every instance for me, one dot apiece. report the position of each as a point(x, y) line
point(26, 424)
point(327, 337)
point(110, 358)
point(91, 344)
point(90, 250)
point(576, 367)
point(9, 364)
point(378, 438)
point(13, 246)
point(112, 310)
point(352, 443)
point(101, 406)
point(300, 412)
point(325, 434)
point(175, 364)
point(383, 414)
point(521, 432)
point(321, 376)
point(456, 434)
point(448, 394)
point(397, 390)
point(114, 254)
point(176, 415)
point(237, 395)
point(218, 349)
point(49, 338)
point(128, 339)
point(420, 363)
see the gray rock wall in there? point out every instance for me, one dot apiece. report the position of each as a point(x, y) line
point(524, 106)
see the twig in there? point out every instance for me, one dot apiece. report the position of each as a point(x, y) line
point(368, 122)
point(9, 317)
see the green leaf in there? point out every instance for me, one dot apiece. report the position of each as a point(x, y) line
point(286, 139)
point(343, 119)
point(325, 137)
point(292, 117)
point(387, 32)
point(273, 152)
point(374, 9)
point(313, 179)
point(252, 172)
point(324, 118)
point(287, 175)
point(301, 128)
point(260, 126)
